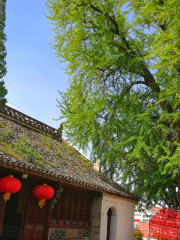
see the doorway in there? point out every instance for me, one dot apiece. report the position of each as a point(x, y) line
point(109, 215)
point(11, 227)
point(111, 223)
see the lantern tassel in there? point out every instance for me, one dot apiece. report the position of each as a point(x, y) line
point(41, 203)
point(6, 196)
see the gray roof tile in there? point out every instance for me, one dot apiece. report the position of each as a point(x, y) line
point(60, 161)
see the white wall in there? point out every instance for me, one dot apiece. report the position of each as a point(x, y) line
point(124, 209)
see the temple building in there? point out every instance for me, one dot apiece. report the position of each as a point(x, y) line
point(85, 204)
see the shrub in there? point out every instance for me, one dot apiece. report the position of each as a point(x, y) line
point(138, 235)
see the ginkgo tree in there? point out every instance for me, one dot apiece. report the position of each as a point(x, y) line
point(123, 100)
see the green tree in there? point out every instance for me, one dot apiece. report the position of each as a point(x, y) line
point(138, 235)
point(123, 98)
point(3, 70)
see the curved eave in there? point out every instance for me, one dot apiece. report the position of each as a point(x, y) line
point(6, 161)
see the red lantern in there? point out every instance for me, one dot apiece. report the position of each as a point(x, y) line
point(43, 192)
point(9, 185)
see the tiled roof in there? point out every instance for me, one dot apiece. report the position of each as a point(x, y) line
point(52, 158)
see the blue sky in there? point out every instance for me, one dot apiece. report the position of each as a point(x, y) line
point(33, 72)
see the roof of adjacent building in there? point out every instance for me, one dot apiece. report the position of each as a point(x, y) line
point(154, 209)
point(144, 228)
point(29, 145)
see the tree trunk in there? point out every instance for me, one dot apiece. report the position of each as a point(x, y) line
point(179, 190)
point(175, 198)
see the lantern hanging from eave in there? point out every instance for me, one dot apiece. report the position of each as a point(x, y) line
point(43, 192)
point(9, 185)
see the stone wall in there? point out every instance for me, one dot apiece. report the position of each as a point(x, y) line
point(96, 216)
point(82, 234)
point(68, 233)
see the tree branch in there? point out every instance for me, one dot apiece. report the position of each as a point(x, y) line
point(106, 15)
point(135, 83)
point(146, 74)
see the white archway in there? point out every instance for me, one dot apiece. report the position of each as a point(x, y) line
point(111, 223)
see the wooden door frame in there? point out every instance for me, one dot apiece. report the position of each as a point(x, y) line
point(25, 210)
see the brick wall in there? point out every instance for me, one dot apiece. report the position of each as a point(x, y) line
point(67, 233)
point(96, 216)
point(82, 234)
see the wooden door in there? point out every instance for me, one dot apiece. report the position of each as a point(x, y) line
point(2, 210)
point(34, 227)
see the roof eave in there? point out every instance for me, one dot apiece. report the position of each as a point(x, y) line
point(43, 173)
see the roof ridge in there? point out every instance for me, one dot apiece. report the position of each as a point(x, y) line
point(33, 123)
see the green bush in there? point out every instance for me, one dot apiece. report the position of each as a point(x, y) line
point(138, 235)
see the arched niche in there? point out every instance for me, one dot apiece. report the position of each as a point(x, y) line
point(111, 223)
